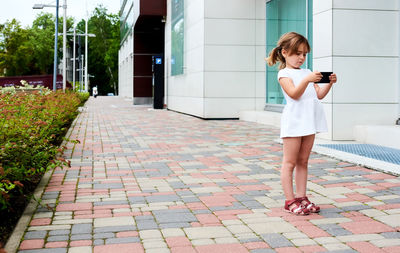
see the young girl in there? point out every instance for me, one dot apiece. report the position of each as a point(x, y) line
point(302, 117)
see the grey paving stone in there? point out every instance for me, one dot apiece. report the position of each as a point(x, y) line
point(81, 228)
point(330, 214)
point(203, 211)
point(262, 251)
point(243, 197)
point(222, 184)
point(35, 235)
point(343, 251)
point(114, 229)
point(250, 240)
point(50, 196)
point(116, 202)
point(175, 225)
point(176, 215)
point(276, 240)
point(355, 208)
point(98, 242)
point(103, 235)
point(392, 201)
point(52, 250)
point(185, 193)
point(177, 185)
point(162, 198)
point(391, 235)
point(81, 237)
point(57, 238)
point(144, 217)
point(59, 232)
point(144, 225)
point(137, 200)
point(257, 193)
point(190, 199)
point(122, 240)
point(253, 204)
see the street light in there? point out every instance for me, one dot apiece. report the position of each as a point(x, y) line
point(41, 6)
point(74, 56)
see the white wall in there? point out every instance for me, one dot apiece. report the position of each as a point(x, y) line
point(358, 40)
point(125, 70)
point(185, 93)
point(224, 59)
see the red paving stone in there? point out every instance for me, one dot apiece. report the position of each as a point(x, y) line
point(41, 222)
point(365, 247)
point(119, 248)
point(312, 249)
point(313, 231)
point(366, 227)
point(180, 241)
point(222, 248)
point(127, 234)
point(185, 249)
point(31, 244)
point(287, 250)
point(256, 245)
point(56, 245)
point(80, 243)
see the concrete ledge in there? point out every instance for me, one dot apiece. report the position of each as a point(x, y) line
point(262, 117)
point(388, 136)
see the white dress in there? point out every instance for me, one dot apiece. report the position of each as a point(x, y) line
point(304, 116)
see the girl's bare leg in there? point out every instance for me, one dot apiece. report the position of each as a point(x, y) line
point(307, 143)
point(291, 148)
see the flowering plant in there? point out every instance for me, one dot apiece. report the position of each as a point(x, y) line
point(32, 127)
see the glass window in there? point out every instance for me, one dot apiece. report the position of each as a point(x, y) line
point(177, 37)
point(285, 16)
point(126, 18)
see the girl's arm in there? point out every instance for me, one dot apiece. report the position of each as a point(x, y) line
point(323, 91)
point(295, 92)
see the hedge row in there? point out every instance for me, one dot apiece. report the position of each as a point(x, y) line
point(32, 127)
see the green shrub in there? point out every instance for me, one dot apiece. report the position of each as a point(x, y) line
point(32, 127)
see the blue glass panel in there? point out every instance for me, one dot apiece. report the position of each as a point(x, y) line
point(285, 16)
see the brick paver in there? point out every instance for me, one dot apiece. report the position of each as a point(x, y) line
point(144, 180)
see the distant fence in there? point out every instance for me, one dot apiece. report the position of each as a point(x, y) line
point(42, 80)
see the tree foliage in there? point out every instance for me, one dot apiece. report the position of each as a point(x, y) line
point(103, 49)
point(30, 51)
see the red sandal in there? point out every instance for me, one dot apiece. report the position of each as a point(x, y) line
point(294, 206)
point(309, 205)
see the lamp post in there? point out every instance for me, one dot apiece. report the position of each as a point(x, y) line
point(41, 6)
point(86, 57)
point(74, 56)
point(64, 45)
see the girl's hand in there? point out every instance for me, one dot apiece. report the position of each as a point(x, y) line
point(332, 78)
point(314, 77)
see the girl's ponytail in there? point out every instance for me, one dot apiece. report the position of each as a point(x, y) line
point(274, 56)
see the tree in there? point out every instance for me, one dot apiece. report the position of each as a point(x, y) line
point(42, 42)
point(15, 51)
point(103, 49)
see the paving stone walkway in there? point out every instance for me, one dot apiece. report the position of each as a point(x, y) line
point(154, 181)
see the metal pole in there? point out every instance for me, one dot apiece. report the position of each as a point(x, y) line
point(82, 63)
point(55, 50)
point(64, 45)
point(74, 60)
point(86, 56)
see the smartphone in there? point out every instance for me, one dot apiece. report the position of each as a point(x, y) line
point(325, 77)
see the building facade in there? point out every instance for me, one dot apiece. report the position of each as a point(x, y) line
point(214, 58)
